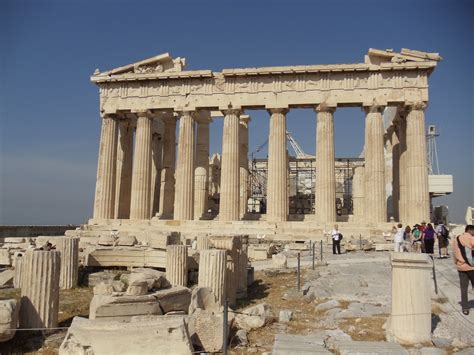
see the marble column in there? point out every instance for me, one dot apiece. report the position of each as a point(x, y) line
point(19, 275)
point(244, 164)
point(402, 167)
point(140, 207)
point(69, 248)
point(325, 192)
point(177, 264)
point(201, 180)
point(388, 173)
point(124, 169)
point(156, 153)
point(358, 182)
point(167, 185)
point(230, 178)
point(184, 193)
point(375, 210)
point(418, 198)
point(40, 289)
point(277, 181)
point(104, 206)
point(202, 242)
point(395, 172)
point(212, 272)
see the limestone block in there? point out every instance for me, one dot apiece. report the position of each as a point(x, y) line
point(285, 316)
point(176, 298)
point(177, 264)
point(103, 289)
point(345, 347)
point(9, 311)
point(298, 344)
point(127, 240)
point(40, 296)
point(137, 288)
point(106, 240)
point(384, 246)
point(119, 286)
point(96, 278)
point(255, 317)
point(15, 240)
point(258, 252)
point(327, 306)
point(5, 257)
point(203, 298)
point(410, 317)
point(156, 279)
point(122, 308)
point(208, 330)
point(144, 335)
point(6, 278)
point(280, 261)
point(69, 248)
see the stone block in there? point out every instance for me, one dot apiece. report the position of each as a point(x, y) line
point(156, 279)
point(285, 316)
point(106, 240)
point(103, 289)
point(154, 335)
point(137, 288)
point(126, 240)
point(6, 278)
point(203, 298)
point(122, 308)
point(327, 305)
point(344, 347)
point(119, 286)
point(258, 252)
point(96, 278)
point(286, 344)
point(208, 330)
point(255, 317)
point(280, 261)
point(176, 298)
point(9, 311)
point(384, 246)
point(5, 257)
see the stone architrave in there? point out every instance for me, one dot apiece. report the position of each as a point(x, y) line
point(140, 207)
point(358, 187)
point(167, 185)
point(69, 248)
point(40, 289)
point(177, 265)
point(212, 272)
point(124, 169)
point(104, 206)
point(277, 186)
point(418, 204)
point(230, 178)
point(184, 193)
point(325, 192)
point(244, 164)
point(410, 318)
point(375, 210)
point(157, 153)
point(201, 170)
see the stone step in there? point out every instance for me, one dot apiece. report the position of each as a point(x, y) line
point(286, 344)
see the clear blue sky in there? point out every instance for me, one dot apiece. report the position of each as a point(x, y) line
point(49, 110)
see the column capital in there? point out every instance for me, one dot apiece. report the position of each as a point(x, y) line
point(142, 113)
point(182, 113)
point(232, 111)
point(324, 107)
point(282, 111)
point(416, 106)
point(373, 108)
point(104, 115)
point(245, 119)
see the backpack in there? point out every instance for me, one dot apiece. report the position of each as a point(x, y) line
point(445, 232)
point(466, 253)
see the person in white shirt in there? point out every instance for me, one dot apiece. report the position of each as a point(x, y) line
point(336, 240)
point(399, 238)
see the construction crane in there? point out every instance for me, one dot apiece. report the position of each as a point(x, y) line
point(433, 163)
point(300, 154)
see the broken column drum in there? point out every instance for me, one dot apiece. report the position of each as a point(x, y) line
point(177, 264)
point(40, 291)
point(212, 272)
point(69, 248)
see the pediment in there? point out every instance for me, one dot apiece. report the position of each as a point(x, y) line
point(158, 64)
point(379, 56)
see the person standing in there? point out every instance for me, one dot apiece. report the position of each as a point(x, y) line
point(463, 255)
point(416, 233)
point(398, 238)
point(336, 240)
point(422, 229)
point(428, 239)
point(442, 234)
point(408, 240)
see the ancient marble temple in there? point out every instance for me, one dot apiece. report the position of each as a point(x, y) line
point(154, 147)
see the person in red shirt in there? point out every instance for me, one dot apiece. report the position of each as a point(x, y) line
point(463, 255)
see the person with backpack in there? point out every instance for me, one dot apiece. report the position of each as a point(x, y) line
point(442, 234)
point(463, 252)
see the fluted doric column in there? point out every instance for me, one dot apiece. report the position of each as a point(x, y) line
point(244, 164)
point(124, 169)
point(358, 193)
point(156, 153)
point(104, 206)
point(40, 289)
point(69, 248)
point(177, 264)
point(230, 178)
point(184, 193)
point(325, 193)
point(375, 197)
point(388, 172)
point(402, 167)
point(395, 172)
point(168, 168)
point(277, 186)
point(212, 272)
point(418, 203)
point(201, 170)
point(140, 207)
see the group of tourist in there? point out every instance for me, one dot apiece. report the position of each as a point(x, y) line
point(421, 238)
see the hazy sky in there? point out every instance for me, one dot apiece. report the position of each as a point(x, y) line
point(50, 124)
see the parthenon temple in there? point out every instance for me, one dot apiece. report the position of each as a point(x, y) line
point(154, 167)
